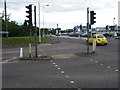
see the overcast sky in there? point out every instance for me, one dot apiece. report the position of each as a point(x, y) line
point(65, 13)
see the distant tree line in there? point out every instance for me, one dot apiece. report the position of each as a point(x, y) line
point(16, 30)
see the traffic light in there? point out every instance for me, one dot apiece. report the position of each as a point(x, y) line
point(81, 27)
point(92, 17)
point(107, 27)
point(29, 16)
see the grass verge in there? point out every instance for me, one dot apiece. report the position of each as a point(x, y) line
point(21, 41)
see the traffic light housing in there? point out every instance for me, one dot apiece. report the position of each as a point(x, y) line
point(29, 16)
point(92, 17)
point(107, 27)
point(81, 27)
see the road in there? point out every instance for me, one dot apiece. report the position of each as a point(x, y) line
point(66, 70)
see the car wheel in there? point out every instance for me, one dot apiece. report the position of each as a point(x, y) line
point(105, 44)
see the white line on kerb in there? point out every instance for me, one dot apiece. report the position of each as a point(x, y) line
point(9, 60)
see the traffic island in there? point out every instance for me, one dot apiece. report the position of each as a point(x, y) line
point(84, 54)
point(44, 57)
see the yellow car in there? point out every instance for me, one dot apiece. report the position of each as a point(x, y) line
point(99, 38)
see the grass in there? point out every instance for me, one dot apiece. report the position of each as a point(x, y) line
point(21, 41)
point(117, 38)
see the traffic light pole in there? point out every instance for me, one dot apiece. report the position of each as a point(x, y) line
point(29, 16)
point(88, 30)
point(6, 25)
point(35, 32)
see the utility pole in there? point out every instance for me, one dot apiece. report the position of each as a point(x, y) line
point(88, 30)
point(6, 26)
point(35, 32)
point(114, 25)
point(39, 23)
point(57, 32)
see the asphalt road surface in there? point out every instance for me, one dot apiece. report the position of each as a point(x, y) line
point(66, 70)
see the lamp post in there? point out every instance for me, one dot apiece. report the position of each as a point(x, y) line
point(6, 20)
point(39, 40)
point(43, 19)
point(113, 21)
point(114, 25)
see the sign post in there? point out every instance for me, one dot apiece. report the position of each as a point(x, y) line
point(88, 30)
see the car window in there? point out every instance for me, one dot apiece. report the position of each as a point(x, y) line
point(93, 37)
point(101, 37)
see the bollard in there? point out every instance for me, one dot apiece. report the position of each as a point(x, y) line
point(94, 46)
point(21, 52)
point(30, 49)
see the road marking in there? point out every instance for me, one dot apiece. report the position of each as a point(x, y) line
point(101, 64)
point(91, 60)
point(108, 67)
point(59, 68)
point(11, 52)
point(51, 60)
point(62, 72)
point(67, 76)
point(56, 65)
point(96, 61)
point(72, 82)
point(116, 70)
point(53, 63)
point(9, 60)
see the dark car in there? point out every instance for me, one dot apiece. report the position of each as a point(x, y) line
point(107, 34)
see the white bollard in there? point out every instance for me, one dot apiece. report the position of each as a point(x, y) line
point(94, 46)
point(21, 52)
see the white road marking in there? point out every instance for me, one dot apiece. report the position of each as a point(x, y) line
point(12, 52)
point(91, 60)
point(108, 67)
point(51, 60)
point(101, 64)
point(62, 72)
point(96, 61)
point(53, 63)
point(72, 82)
point(56, 65)
point(9, 60)
point(116, 70)
point(67, 76)
point(59, 68)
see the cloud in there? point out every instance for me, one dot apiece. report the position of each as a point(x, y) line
point(19, 16)
point(64, 5)
point(66, 13)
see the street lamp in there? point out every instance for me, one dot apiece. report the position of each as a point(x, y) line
point(114, 25)
point(43, 19)
point(113, 21)
point(39, 40)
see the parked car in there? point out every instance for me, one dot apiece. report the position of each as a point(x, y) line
point(64, 33)
point(74, 35)
point(107, 34)
point(84, 35)
point(99, 38)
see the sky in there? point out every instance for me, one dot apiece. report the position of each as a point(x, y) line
point(65, 13)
